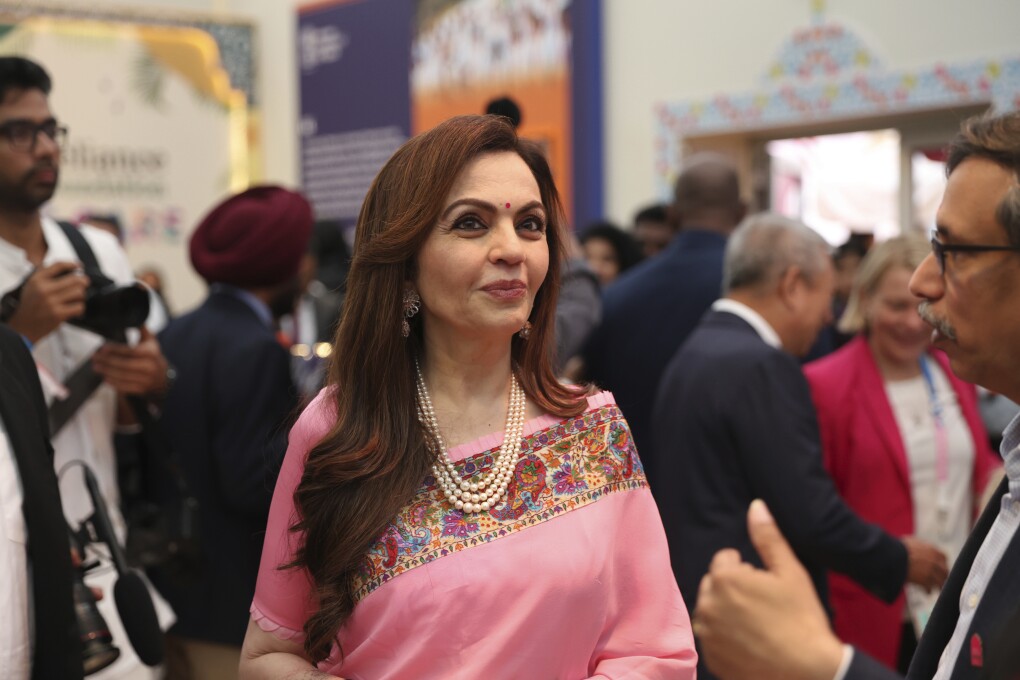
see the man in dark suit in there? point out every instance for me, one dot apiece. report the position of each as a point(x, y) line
point(968, 287)
point(42, 556)
point(734, 421)
point(226, 415)
point(648, 312)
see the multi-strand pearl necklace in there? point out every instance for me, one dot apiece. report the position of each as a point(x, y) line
point(472, 497)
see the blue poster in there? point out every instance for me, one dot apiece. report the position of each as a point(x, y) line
point(355, 98)
point(374, 72)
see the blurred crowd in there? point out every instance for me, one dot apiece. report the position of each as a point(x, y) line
point(739, 354)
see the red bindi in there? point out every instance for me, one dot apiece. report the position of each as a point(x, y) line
point(508, 206)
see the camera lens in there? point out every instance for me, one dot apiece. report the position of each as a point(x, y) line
point(98, 651)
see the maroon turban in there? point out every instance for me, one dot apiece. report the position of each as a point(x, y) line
point(253, 239)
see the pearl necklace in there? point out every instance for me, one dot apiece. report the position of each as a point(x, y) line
point(473, 497)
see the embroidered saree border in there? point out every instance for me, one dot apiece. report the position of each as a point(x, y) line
point(562, 468)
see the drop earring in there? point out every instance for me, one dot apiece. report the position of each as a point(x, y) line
point(412, 305)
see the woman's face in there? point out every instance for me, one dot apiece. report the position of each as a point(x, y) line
point(482, 265)
point(897, 333)
point(602, 260)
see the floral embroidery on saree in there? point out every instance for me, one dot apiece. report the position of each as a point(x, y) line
point(563, 467)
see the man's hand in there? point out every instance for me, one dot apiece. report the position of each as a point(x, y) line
point(764, 624)
point(140, 370)
point(52, 295)
point(926, 564)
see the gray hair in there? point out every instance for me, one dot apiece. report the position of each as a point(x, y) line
point(766, 245)
point(995, 138)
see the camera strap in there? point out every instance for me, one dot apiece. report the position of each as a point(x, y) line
point(81, 247)
point(84, 381)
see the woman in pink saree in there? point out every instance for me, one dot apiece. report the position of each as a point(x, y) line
point(446, 508)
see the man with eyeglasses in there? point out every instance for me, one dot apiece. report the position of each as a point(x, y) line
point(38, 260)
point(765, 624)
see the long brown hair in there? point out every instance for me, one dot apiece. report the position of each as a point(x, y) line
point(372, 462)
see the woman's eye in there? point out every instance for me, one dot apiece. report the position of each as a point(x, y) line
point(469, 223)
point(533, 224)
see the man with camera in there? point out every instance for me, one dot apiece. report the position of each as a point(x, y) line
point(44, 294)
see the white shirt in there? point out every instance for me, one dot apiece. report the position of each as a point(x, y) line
point(15, 594)
point(757, 321)
point(911, 406)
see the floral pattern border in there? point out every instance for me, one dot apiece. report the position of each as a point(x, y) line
point(562, 468)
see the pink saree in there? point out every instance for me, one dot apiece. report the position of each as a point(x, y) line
point(568, 578)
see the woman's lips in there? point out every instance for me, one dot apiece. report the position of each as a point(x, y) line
point(506, 290)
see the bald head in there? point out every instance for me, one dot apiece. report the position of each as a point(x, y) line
point(707, 194)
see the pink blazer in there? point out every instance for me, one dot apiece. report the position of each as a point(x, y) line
point(864, 453)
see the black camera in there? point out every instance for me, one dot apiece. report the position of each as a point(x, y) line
point(110, 308)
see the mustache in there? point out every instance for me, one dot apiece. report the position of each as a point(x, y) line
point(941, 325)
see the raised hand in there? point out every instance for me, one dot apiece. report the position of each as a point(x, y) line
point(765, 624)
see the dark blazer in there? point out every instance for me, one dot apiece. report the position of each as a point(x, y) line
point(226, 418)
point(58, 651)
point(734, 422)
point(647, 314)
point(996, 622)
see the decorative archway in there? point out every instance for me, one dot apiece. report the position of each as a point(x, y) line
point(826, 73)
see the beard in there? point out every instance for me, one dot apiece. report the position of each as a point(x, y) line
point(26, 195)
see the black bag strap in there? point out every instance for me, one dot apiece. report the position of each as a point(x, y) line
point(84, 381)
point(81, 247)
point(80, 386)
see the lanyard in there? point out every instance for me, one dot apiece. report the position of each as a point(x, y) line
point(941, 447)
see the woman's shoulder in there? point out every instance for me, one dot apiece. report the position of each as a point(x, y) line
point(317, 419)
point(836, 367)
point(598, 398)
point(593, 399)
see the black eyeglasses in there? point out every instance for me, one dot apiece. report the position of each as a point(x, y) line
point(22, 134)
point(940, 249)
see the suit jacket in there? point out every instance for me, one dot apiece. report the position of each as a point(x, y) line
point(58, 652)
point(226, 418)
point(864, 453)
point(734, 422)
point(647, 314)
point(996, 621)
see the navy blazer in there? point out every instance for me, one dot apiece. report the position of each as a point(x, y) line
point(646, 315)
point(58, 650)
point(733, 422)
point(226, 417)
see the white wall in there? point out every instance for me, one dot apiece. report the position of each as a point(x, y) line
point(670, 50)
point(655, 51)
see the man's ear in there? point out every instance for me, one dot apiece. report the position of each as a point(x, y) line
point(790, 287)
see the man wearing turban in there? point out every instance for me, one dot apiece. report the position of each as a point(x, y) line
point(226, 415)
